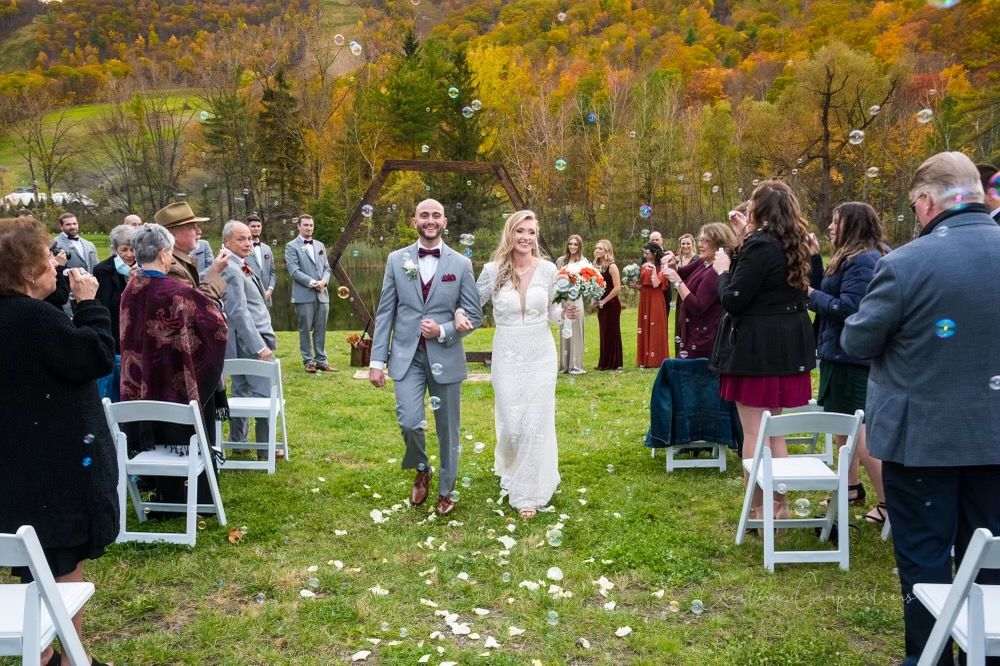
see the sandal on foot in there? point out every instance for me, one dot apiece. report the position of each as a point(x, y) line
point(881, 514)
point(859, 498)
point(528, 512)
point(55, 659)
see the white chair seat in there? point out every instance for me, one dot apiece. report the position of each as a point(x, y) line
point(805, 469)
point(74, 596)
point(243, 406)
point(160, 462)
point(933, 596)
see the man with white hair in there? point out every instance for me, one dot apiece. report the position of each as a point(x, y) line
point(250, 332)
point(132, 220)
point(929, 324)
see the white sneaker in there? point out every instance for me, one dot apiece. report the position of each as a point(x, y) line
point(577, 372)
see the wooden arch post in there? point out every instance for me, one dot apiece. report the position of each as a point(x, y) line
point(371, 194)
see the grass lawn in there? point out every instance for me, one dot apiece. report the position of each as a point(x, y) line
point(623, 518)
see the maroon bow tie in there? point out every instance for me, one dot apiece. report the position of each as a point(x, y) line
point(423, 252)
point(256, 243)
point(307, 242)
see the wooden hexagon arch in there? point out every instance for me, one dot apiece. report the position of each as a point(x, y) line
point(422, 166)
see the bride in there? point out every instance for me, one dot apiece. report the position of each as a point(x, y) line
point(521, 285)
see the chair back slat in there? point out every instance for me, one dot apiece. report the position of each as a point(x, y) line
point(12, 551)
point(811, 422)
point(152, 410)
point(248, 367)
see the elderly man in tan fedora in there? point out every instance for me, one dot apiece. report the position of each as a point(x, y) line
point(180, 221)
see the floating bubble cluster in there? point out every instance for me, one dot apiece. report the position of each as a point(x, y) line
point(343, 292)
point(468, 112)
point(355, 49)
point(476, 105)
point(645, 210)
point(367, 210)
point(944, 328)
point(560, 165)
point(453, 92)
point(338, 39)
point(856, 137)
point(924, 116)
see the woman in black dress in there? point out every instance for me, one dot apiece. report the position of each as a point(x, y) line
point(60, 472)
point(609, 308)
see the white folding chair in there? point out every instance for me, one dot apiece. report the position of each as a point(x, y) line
point(967, 612)
point(32, 615)
point(800, 472)
point(715, 459)
point(163, 462)
point(266, 408)
point(811, 439)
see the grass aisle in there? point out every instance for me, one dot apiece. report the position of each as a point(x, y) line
point(623, 518)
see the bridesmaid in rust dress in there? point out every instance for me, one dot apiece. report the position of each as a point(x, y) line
point(651, 342)
point(609, 308)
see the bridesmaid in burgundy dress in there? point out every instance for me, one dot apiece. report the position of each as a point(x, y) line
point(609, 308)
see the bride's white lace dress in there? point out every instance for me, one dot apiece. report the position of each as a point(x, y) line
point(524, 375)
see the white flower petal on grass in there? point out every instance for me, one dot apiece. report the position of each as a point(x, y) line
point(616, 514)
point(536, 662)
point(338, 564)
point(314, 490)
point(361, 655)
point(589, 560)
point(507, 542)
point(584, 643)
point(428, 572)
point(436, 635)
point(428, 603)
point(511, 527)
point(514, 631)
point(340, 532)
point(581, 490)
point(378, 591)
point(449, 663)
point(460, 629)
point(622, 632)
point(554, 573)
point(455, 523)
point(529, 584)
point(374, 641)
point(481, 611)
point(610, 605)
point(424, 659)
point(658, 594)
point(307, 594)
point(582, 502)
point(491, 643)
point(377, 516)
point(473, 636)
point(321, 479)
point(311, 568)
point(462, 576)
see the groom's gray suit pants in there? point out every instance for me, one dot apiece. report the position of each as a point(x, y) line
point(412, 419)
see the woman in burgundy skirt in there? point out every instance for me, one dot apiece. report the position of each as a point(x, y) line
point(609, 308)
point(765, 349)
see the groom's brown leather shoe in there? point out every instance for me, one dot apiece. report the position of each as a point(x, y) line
point(445, 505)
point(420, 486)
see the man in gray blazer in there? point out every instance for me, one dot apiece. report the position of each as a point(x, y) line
point(307, 263)
point(262, 258)
point(250, 332)
point(929, 323)
point(80, 252)
point(424, 284)
point(202, 255)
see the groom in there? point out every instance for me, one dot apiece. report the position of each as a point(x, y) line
point(415, 332)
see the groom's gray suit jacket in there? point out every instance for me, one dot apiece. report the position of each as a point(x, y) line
point(401, 307)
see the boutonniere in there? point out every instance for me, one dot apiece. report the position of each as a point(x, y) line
point(450, 277)
point(267, 257)
point(246, 269)
point(321, 253)
point(410, 268)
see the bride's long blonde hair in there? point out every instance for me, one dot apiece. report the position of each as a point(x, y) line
point(504, 254)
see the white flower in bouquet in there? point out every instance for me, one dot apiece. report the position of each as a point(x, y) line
point(631, 273)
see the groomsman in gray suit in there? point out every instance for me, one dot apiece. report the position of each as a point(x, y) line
point(424, 284)
point(250, 332)
point(307, 263)
point(80, 252)
point(262, 258)
point(929, 323)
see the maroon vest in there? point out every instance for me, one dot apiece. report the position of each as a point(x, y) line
point(425, 288)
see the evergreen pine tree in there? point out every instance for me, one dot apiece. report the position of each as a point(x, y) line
point(280, 145)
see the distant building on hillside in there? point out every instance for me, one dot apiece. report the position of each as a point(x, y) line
point(23, 196)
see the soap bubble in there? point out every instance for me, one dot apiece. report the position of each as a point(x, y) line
point(86, 462)
point(260, 597)
point(561, 16)
point(802, 507)
point(610, 468)
point(414, 2)
point(88, 438)
point(995, 382)
point(436, 369)
point(479, 447)
point(707, 176)
point(204, 116)
point(632, 134)
point(644, 233)
point(385, 626)
point(900, 217)
point(367, 210)
point(453, 92)
point(202, 524)
point(683, 354)
point(454, 495)
point(872, 172)
point(924, 116)
point(944, 328)
point(343, 292)
point(697, 607)
point(355, 253)
point(466, 482)
point(468, 112)
point(355, 49)
point(591, 118)
point(856, 137)
point(403, 632)
point(476, 105)
point(560, 165)
point(467, 239)
point(795, 172)
point(435, 403)
point(554, 537)
point(715, 189)
point(552, 617)
point(505, 576)
point(874, 109)
point(338, 39)
point(425, 149)
point(313, 582)
point(645, 210)
point(781, 489)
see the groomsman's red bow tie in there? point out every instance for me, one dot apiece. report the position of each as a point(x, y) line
point(307, 242)
point(423, 252)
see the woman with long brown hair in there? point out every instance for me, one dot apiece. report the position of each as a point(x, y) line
point(571, 348)
point(609, 307)
point(765, 349)
point(857, 236)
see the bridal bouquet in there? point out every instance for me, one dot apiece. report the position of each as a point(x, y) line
point(630, 274)
point(577, 281)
